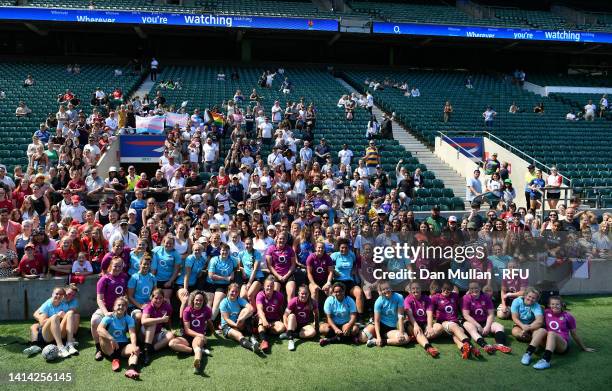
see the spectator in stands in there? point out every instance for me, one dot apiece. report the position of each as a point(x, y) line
point(571, 116)
point(154, 68)
point(22, 110)
point(43, 133)
point(539, 108)
point(371, 158)
point(2, 94)
point(529, 176)
point(492, 165)
point(474, 186)
point(468, 82)
point(553, 184)
point(513, 108)
point(447, 111)
point(99, 97)
point(489, 115)
point(373, 128)
point(414, 92)
point(29, 81)
point(589, 111)
point(369, 101)
point(535, 186)
point(603, 105)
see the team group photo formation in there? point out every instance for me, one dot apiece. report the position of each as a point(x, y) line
point(305, 195)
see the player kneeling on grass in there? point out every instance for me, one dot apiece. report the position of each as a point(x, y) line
point(388, 327)
point(479, 319)
point(415, 307)
point(196, 318)
point(527, 315)
point(55, 323)
point(155, 316)
point(445, 307)
point(236, 319)
point(270, 306)
point(341, 313)
point(555, 338)
point(299, 316)
point(112, 333)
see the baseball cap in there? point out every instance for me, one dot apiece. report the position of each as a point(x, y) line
point(75, 198)
point(316, 190)
point(435, 207)
point(452, 219)
point(381, 211)
point(271, 226)
point(112, 168)
point(123, 221)
point(325, 187)
point(508, 181)
point(257, 211)
point(132, 211)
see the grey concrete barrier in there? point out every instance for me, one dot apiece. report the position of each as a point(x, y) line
point(20, 297)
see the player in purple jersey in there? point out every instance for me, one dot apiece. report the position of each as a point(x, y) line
point(555, 338)
point(270, 307)
point(511, 289)
point(281, 262)
point(113, 331)
point(196, 320)
point(445, 307)
point(155, 316)
point(320, 271)
point(301, 317)
point(479, 319)
point(415, 307)
point(111, 285)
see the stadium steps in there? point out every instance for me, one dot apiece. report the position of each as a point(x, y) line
point(451, 178)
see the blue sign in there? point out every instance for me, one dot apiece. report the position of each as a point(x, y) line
point(471, 147)
point(141, 149)
point(170, 19)
point(489, 32)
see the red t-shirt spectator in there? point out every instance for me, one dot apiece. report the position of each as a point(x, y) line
point(62, 258)
point(31, 266)
point(19, 195)
point(7, 204)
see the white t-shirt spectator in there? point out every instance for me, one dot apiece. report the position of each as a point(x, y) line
point(474, 183)
point(76, 212)
point(169, 170)
point(266, 130)
point(345, 156)
point(129, 240)
point(210, 152)
point(84, 268)
point(94, 149)
point(589, 109)
point(554, 180)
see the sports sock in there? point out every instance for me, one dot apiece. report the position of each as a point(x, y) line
point(547, 355)
point(500, 337)
point(116, 355)
point(384, 341)
point(466, 340)
point(481, 342)
point(132, 367)
point(427, 346)
point(531, 349)
point(264, 336)
point(245, 343)
point(98, 347)
point(290, 334)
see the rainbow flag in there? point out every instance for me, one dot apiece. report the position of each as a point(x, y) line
point(218, 119)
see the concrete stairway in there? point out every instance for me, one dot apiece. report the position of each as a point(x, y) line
point(451, 178)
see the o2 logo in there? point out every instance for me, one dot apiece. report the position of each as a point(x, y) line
point(282, 259)
point(320, 270)
point(420, 312)
point(196, 323)
point(479, 312)
point(117, 333)
point(146, 290)
point(119, 290)
point(553, 325)
point(448, 309)
point(270, 309)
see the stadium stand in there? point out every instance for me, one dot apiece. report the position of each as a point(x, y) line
point(551, 79)
point(582, 151)
point(240, 7)
point(50, 80)
point(202, 89)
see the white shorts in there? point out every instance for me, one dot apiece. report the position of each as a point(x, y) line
point(158, 337)
point(446, 326)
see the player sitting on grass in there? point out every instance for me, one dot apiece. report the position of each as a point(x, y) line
point(479, 319)
point(555, 338)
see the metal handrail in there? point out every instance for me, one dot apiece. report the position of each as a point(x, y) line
point(512, 149)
